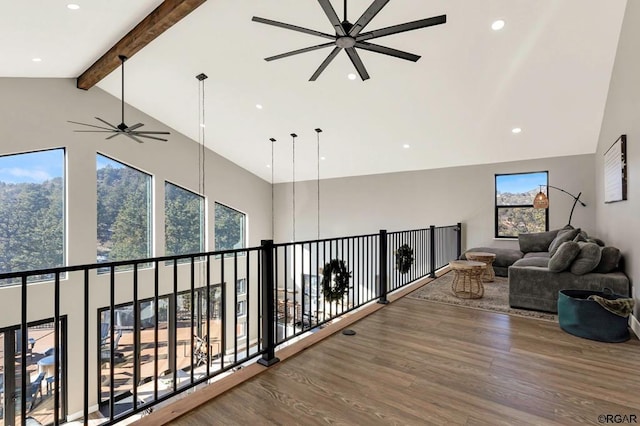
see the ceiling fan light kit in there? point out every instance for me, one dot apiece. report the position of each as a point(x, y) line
point(122, 129)
point(349, 36)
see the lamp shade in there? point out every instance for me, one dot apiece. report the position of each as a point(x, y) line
point(541, 201)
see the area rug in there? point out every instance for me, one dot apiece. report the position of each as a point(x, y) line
point(496, 297)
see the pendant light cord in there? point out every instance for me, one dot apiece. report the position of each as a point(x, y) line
point(318, 131)
point(293, 145)
point(201, 138)
point(273, 213)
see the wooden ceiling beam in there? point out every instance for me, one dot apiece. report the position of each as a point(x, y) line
point(161, 19)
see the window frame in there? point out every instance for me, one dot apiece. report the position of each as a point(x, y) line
point(63, 224)
point(244, 239)
point(497, 208)
point(203, 219)
point(150, 213)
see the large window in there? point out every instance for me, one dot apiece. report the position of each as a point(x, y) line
point(514, 204)
point(229, 228)
point(184, 221)
point(124, 212)
point(32, 211)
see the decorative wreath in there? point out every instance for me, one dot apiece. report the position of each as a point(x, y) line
point(335, 280)
point(404, 258)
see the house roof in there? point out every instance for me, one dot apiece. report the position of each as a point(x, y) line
point(546, 72)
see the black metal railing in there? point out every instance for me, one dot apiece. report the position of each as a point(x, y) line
point(137, 333)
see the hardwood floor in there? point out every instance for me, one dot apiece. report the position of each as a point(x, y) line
point(417, 362)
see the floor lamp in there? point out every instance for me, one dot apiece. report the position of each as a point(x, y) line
point(542, 202)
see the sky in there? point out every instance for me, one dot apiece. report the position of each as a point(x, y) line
point(102, 162)
point(33, 167)
point(520, 183)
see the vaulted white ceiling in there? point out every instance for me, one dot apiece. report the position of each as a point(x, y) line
point(547, 72)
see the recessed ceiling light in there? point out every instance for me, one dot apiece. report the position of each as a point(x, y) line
point(497, 25)
point(259, 106)
point(269, 166)
point(323, 158)
point(37, 60)
point(351, 76)
point(406, 146)
point(202, 125)
point(516, 130)
point(73, 6)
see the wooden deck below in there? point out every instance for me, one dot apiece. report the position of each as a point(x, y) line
point(418, 362)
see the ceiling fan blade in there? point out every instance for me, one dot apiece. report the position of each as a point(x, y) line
point(135, 126)
point(114, 135)
point(387, 51)
point(367, 16)
point(107, 123)
point(144, 132)
point(132, 136)
point(409, 26)
point(94, 131)
point(148, 137)
point(295, 52)
point(89, 125)
point(333, 17)
point(357, 62)
point(292, 27)
point(325, 63)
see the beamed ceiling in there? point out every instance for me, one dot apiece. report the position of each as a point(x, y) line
point(546, 72)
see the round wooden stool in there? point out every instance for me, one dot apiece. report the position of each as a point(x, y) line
point(467, 280)
point(486, 258)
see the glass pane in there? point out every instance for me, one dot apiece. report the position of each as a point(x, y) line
point(124, 212)
point(517, 220)
point(184, 221)
point(519, 189)
point(31, 212)
point(229, 228)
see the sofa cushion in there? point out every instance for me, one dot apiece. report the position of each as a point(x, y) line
point(536, 241)
point(541, 262)
point(544, 254)
point(564, 256)
point(609, 259)
point(587, 259)
point(563, 235)
point(504, 257)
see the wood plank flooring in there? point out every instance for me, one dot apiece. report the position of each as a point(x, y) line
point(417, 362)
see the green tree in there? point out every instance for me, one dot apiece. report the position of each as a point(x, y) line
point(229, 228)
point(184, 221)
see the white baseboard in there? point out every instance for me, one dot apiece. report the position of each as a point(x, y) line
point(635, 325)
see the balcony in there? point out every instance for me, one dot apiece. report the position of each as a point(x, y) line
point(127, 338)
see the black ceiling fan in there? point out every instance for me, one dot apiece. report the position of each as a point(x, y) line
point(122, 128)
point(350, 36)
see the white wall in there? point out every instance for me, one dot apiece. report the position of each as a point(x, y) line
point(33, 116)
point(409, 200)
point(619, 223)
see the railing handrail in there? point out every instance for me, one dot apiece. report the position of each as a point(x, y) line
point(90, 266)
point(323, 240)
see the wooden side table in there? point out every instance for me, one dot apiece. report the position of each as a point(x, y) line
point(487, 259)
point(467, 280)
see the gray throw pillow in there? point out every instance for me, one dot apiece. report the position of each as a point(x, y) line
point(563, 235)
point(608, 260)
point(563, 256)
point(536, 241)
point(587, 259)
point(597, 241)
point(582, 236)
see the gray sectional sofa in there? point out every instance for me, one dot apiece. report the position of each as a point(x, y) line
point(548, 262)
